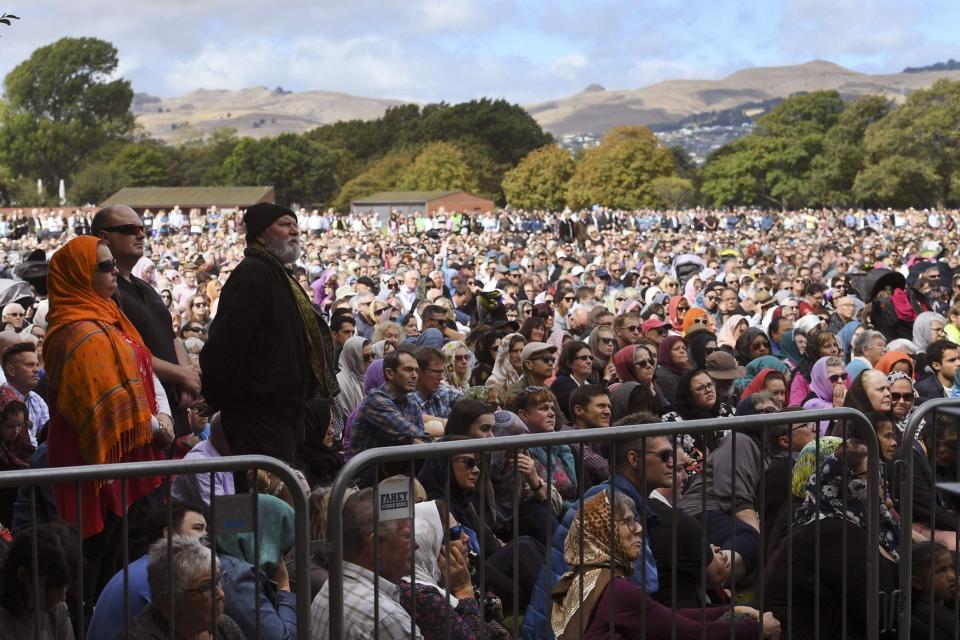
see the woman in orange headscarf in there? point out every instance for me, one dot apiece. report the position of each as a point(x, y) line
point(103, 395)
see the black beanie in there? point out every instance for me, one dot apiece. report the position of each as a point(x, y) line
point(262, 215)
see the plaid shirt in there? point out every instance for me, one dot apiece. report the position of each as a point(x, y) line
point(440, 402)
point(358, 620)
point(385, 420)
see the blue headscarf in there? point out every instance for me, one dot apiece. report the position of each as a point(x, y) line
point(788, 347)
point(845, 337)
point(430, 338)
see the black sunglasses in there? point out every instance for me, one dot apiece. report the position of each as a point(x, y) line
point(468, 462)
point(664, 456)
point(126, 229)
point(898, 397)
point(643, 364)
point(456, 532)
point(837, 377)
point(107, 266)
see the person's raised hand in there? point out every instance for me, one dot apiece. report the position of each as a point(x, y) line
point(457, 571)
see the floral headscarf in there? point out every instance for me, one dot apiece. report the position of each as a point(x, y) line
point(568, 610)
point(832, 506)
point(449, 350)
point(807, 462)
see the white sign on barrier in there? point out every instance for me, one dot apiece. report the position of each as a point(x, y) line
point(396, 500)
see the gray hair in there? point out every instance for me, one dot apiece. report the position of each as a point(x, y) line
point(358, 523)
point(187, 558)
point(862, 340)
point(623, 504)
point(761, 397)
point(833, 361)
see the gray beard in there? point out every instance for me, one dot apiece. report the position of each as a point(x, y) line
point(284, 252)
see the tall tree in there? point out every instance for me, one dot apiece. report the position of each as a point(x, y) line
point(439, 167)
point(61, 106)
point(925, 130)
point(540, 180)
point(620, 171)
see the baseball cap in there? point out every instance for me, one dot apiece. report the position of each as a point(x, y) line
point(576, 271)
point(723, 366)
point(532, 349)
point(654, 322)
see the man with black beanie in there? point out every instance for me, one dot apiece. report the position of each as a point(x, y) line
point(269, 351)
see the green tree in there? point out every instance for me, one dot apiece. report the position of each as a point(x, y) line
point(540, 180)
point(898, 181)
point(673, 192)
point(620, 171)
point(382, 175)
point(833, 172)
point(773, 164)
point(439, 167)
point(301, 171)
point(61, 107)
point(925, 130)
point(95, 182)
point(143, 164)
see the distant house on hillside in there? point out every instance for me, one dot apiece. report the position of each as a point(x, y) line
point(142, 198)
point(431, 201)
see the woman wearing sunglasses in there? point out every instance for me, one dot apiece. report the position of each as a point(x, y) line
point(828, 387)
point(91, 351)
point(456, 479)
point(603, 343)
point(458, 364)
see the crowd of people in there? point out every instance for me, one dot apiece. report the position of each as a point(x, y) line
point(311, 337)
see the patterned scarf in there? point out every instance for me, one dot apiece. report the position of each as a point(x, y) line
point(568, 612)
point(321, 343)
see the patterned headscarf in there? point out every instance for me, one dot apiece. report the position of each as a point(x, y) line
point(449, 351)
point(807, 462)
point(568, 610)
point(831, 503)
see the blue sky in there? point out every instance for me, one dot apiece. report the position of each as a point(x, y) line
point(523, 50)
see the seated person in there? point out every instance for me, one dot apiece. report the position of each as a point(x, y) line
point(109, 618)
point(189, 606)
point(934, 585)
point(56, 546)
point(636, 614)
point(194, 488)
point(239, 561)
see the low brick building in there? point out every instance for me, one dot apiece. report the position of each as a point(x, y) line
point(407, 202)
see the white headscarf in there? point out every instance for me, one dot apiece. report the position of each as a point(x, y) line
point(921, 329)
point(503, 373)
point(351, 373)
point(429, 534)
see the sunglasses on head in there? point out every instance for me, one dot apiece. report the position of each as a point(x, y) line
point(107, 266)
point(837, 377)
point(126, 229)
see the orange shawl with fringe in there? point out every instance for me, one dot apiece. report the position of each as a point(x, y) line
point(99, 391)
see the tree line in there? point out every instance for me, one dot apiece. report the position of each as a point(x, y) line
point(65, 116)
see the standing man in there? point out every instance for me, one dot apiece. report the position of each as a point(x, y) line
point(269, 351)
point(120, 228)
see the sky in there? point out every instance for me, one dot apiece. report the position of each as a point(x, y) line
point(526, 51)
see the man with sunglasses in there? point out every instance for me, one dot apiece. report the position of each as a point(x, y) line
point(537, 360)
point(120, 228)
point(655, 329)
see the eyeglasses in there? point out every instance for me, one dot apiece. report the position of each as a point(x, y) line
point(632, 328)
point(643, 364)
point(193, 329)
point(455, 532)
point(206, 590)
point(468, 462)
point(630, 522)
point(703, 388)
point(837, 377)
point(710, 298)
point(663, 330)
point(586, 357)
point(902, 397)
point(126, 229)
point(107, 266)
point(461, 358)
point(683, 308)
point(368, 357)
point(568, 298)
point(708, 350)
point(199, 304)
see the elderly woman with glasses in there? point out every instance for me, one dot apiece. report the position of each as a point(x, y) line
point(195, 606)
point(597, 596)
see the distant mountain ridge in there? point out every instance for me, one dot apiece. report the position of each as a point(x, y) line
point(949, 65)
point(666, 105)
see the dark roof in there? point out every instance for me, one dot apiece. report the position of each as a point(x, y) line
point(186, 196)
point(403, 197)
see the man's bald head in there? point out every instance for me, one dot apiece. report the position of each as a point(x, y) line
point(112, 216)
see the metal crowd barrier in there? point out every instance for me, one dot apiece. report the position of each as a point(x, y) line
point(408, 455)
point(924, 417)
point(124, 471)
